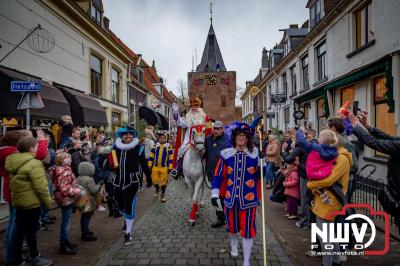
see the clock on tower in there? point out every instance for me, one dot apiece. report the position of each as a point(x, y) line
point(211, 79)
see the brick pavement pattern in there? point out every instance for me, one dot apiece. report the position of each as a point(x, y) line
point(162, 237)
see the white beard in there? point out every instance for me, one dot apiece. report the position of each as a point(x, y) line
point(195, 118)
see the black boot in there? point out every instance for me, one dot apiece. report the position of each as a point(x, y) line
point(65, 249)
point(89, 237)
point(71, 245)
point(221, 220)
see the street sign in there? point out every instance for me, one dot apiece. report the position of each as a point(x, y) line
point(30, 100)
point(279, 98)
point(298, 115)
point(25, 86)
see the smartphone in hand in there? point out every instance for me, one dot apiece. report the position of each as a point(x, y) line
point(355, 107)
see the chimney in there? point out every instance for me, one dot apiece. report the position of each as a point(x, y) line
point(153, 65)
point(293, 26)
point(106, 22)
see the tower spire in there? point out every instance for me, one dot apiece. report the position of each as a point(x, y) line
point(211, 12)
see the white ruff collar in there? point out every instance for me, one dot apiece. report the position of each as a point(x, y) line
point(230, 152)
point(122, 146)
point(165, 144)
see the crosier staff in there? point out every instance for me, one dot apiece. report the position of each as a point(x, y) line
point(257, 122)
point(259, 130)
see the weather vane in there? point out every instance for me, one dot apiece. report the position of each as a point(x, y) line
point(211, 4)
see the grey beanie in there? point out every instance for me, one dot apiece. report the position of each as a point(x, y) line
point(86, 169)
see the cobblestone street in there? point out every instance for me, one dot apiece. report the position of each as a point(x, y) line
point(162, 236)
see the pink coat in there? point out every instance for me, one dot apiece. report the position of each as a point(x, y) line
point(317, 168)
point(291, 183)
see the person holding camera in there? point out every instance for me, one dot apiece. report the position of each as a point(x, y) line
point(377, 140)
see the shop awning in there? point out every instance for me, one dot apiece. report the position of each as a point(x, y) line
point(149, 115)
point(311, 95)
point(55, 104)
point(163, 122)
point(383, 65)
point(85, 110)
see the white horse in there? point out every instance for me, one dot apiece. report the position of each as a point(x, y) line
point(193, 168)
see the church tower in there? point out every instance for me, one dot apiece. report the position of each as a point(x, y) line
point(212, 83)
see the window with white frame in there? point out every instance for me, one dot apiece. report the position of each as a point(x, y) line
point(95, 13)
point(321, 61)
point(293, 80)
point(115, 85)
point(315, 13)
point(304, 72)
point(95, 75)
point(284, 83)
point(364, 32)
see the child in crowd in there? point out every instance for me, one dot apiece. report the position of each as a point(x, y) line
point(66, 191)
point(160, 163)
point(66, 130)
point(86, 172)
point(322, 156)
point(29, 189)
point(292, 190)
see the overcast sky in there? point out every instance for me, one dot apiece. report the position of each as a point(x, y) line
point(169, 31)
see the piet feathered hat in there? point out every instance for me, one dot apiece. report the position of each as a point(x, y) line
point(123, 130)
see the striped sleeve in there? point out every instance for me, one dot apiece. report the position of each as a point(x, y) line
point(170, 157)
point(219, 174)
point(151, 157)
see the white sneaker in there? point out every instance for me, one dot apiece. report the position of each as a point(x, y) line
point(234, 253)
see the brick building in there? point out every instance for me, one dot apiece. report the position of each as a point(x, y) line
point(213, 83)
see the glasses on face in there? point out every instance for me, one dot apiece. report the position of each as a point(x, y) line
point(217, 128)
point(241, 136)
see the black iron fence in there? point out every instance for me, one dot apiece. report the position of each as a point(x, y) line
point(366, 190)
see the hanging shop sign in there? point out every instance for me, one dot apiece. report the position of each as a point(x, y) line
point(298, 115)
point(278, 98)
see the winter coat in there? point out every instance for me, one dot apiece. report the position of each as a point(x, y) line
point(65, 184)
point(290, 158)
point(85, 179)
point(382, 142)
point(4, 152)
point(291, 183)
point(42, 149)
point(213, 146)
point(340, 175)
point(76, 159)
point(28, 183)
point(273, 153)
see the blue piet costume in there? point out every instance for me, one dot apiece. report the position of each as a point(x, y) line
point(237, 176)
point(131, 165)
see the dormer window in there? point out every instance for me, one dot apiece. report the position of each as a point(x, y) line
point(315, 13)
point(140, 75)
point(95, 13)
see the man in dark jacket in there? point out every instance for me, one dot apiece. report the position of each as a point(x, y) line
point(336, 125)
point(382, 142)
point(214, 144)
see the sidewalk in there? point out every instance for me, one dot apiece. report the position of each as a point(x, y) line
point(108, 230)
point(296, 241)
point(162, 237)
